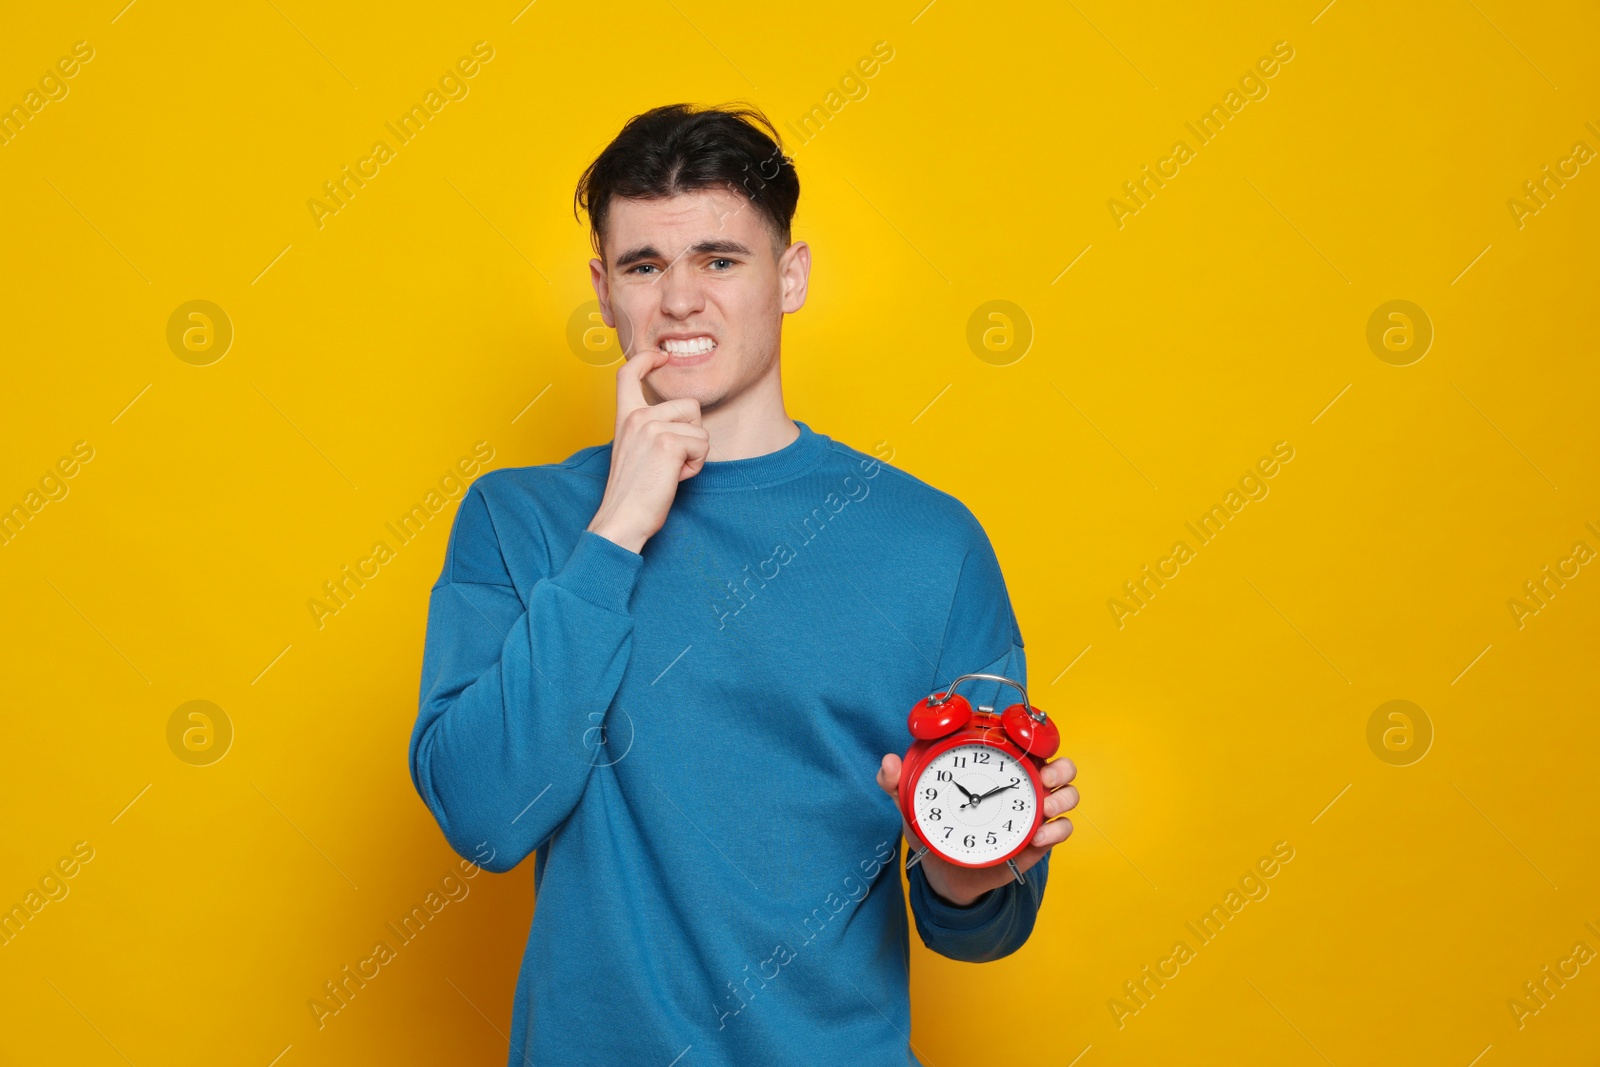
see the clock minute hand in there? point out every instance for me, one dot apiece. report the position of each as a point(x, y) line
point(998, 789)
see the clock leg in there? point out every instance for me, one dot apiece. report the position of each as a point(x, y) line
point(916, 857)
point(1013, 865)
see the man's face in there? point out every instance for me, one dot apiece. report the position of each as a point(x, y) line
point(698, 275)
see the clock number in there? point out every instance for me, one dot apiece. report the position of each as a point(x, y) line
point(959, 761)
point(933, 813)
point(947, 831)
point(930, 794)
point(1002, 766)
point(942, 776)
point(992, 839)
point(982, 757)
point(1017, 805)
point(969, 840)
point(1015, 780)
point(1008, 825)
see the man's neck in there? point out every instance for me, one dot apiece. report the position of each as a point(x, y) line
point(753, 424)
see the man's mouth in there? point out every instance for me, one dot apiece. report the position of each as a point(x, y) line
point(694, 349)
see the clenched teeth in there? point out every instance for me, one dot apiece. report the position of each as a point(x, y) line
point(691, 347)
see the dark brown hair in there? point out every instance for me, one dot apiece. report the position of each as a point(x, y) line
point(679, 148)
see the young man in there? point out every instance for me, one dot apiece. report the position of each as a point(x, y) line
point(677, 667)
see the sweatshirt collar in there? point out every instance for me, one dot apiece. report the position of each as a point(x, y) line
point(758, 472)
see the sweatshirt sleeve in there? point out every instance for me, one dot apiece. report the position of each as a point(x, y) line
point(511, 689)
point(981, 637)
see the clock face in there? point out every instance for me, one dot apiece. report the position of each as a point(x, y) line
point(975, 804)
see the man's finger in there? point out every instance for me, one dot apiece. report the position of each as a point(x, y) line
point(690, 433)
point(694, 440)
point(679, 409)
point(889, 774)
point(1058, 773)
point(1052, 833)
point(698, 448)
point(1063, 799)
point(630, 378)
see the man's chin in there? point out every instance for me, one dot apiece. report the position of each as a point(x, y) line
point(671, 386)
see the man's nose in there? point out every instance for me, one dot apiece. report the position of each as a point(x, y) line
point(681, 290)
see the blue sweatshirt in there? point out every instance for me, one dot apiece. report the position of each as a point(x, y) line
point(687, 739)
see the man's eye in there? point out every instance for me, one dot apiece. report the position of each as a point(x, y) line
point(642, 266)
point(729, 262)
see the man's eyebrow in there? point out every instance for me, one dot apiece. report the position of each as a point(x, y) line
point(643, 252)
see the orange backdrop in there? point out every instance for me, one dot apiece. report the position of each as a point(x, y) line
point(1261, 341)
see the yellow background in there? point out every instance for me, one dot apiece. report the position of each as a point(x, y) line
point(372, 353)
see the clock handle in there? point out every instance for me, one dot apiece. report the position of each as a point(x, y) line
point(1036, 714)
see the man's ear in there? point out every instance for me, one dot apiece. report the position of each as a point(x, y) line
point(602, 290)
point(794, 272)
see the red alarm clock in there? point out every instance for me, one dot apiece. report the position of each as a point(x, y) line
point(970, 785)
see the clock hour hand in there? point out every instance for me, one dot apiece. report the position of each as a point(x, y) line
point(971, 798)
point(992, 792)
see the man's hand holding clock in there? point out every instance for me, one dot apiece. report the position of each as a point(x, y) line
point(961, 886)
